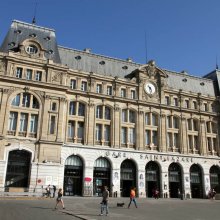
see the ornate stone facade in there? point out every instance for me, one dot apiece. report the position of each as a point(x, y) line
point(62, 124)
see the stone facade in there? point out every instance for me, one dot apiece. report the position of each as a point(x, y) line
point(55, 110)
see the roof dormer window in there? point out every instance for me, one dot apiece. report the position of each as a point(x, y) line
point(31, 49)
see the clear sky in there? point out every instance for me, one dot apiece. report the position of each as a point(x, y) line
point(179, 34)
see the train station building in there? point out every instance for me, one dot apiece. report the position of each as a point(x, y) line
point(80, 121)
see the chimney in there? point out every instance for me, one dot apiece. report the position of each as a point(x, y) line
point(87, 50)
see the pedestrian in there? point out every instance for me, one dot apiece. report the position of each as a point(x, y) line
point(104, 203)
point(212, 194)
point(59, 198)
point(54, 190)
point(48, 190)
point(132, 197)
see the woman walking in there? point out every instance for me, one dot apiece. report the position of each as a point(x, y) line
point(59, 199)
point(132, 197)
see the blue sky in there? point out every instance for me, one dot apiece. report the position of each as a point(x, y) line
point(180, 34)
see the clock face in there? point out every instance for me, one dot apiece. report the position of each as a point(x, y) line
point(149, 88)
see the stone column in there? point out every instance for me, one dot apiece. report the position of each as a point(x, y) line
point(45, 117)
point(162, 133)
point(61, 120)
point(202, 137)
point(140, 131)
point(3, 113)
point(183, 136)
point(91, 123)
point(88, 182)
point(116, 130)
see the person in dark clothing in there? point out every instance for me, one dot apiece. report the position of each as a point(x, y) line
point(54, 190)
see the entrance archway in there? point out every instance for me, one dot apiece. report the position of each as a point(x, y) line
point(152, 172)
point(175, 180)
point(18, 169)
point(196, 181)
point(73, 176)
point(128, 177)
point(215, 178)
point(101, 176)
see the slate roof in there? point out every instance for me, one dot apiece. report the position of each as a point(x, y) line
point(19, 31)
point(103, 65)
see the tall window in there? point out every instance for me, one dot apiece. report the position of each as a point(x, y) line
point(75, 128)
point(52, 124)
point(33, 123)
point(133, 94)
point(151, 128)
point(71, 130)
point(84, 86)
point(103, 125)
point(99, 88)
point(73, 84)
point(167, 100)
point(128, 137)
point(29, 74)
point(123, 92)
point(193, 134)
point(23, 122)
point(28, 120)
point(19, 72)
point(12, 121)
point(109, 90)
point(173, 133)
point(211, 128)
point(38, 76)
point(175, 101)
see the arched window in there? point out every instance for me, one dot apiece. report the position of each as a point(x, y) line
point(27, 115)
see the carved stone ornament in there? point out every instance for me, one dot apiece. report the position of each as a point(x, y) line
point(57, 78)
point(91, 104)
point(2, 66)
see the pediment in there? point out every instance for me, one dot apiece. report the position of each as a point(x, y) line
point(149, 70)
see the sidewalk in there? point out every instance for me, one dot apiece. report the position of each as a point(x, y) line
point(166, 209)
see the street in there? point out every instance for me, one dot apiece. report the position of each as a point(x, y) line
point(89, 209)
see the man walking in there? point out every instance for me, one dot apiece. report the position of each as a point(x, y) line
point(132, 197)
point(104, 203)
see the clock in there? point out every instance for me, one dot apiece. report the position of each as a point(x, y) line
point(149, 88)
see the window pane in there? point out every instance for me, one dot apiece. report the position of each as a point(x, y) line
point(107, 132)
point(12, 121)
point(147, 137)
point(147, 118)
point(33, 123)
point(72, 108)
point(71, 129)
point(98, 132)
point(123, 135)
point(16, 100)
point(154, 120)
point(154, 137)
point(131, 116)
point(80, 131)
point(131, 135)
point(124, 115)
point(99, 112)
point(23, 122)
point(26, 100)
point(81, 109)
point(52, 124)
point(107, 113)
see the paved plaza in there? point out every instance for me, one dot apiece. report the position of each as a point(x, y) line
point(89, 209)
